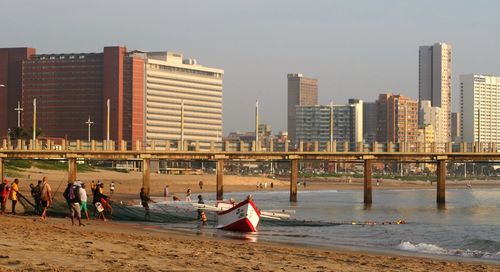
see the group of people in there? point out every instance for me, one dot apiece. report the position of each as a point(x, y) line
point(41, 193)
point(263, 185)
point(76, 198)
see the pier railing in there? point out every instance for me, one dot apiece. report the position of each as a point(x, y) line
point(241, 146)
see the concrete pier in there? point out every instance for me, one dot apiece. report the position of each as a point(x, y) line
point(220, 175)
point(146, 175)
point(368, 182)
point(294, 174)
point(441, 182)
point(71, 169)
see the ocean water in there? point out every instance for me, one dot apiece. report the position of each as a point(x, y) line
point(468, 226)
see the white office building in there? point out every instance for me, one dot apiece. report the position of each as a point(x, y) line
point(480, 108)
point(172, 81)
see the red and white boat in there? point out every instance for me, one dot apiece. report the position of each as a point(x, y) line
point(243, 216)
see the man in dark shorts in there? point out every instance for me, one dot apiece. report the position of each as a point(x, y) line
point(144, 201)
point(46, 196)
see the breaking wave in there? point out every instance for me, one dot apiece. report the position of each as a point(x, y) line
point(435, 249)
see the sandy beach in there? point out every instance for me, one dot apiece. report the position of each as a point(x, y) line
point(29, 244)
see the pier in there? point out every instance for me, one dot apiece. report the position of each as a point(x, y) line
point(147, 153)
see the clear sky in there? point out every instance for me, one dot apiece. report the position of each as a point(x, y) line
point(356, 49)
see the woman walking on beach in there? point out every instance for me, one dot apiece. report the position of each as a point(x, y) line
point(188, 195)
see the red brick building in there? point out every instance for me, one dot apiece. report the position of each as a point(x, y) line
point(11, 76)
point(397, 117)
point(71, 87)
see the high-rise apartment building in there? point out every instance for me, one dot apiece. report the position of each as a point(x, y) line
point(172, 81)
point(11, 60)
point(480, 108)
point(434, 84)
point(302, 91)
point(313, 123)
point(397, 118)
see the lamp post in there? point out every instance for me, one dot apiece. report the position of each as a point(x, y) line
point(107, 120)
point(19, 110)
point(34, 121)
point(89, 123)
point(181, 147)
point(257, 125)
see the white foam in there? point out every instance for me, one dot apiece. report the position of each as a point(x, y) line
point(435, 249)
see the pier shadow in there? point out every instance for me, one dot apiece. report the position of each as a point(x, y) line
point(367, 207)
point(441, 206)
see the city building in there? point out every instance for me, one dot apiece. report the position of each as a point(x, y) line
point(480, 108)
point(11, 60)
point(302, 91)
point(397, 118)
point(172, 81)
point(70, 88)
point(426, 136)
point(434, 84)
point(456, 136)
point(369, 122)
point(429, 115)
point(152, 95)
point(313, 123)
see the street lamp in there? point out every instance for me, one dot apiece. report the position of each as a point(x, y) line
point(34, 121)
point(89, 123)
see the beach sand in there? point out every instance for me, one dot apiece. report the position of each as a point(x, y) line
point(30, 244)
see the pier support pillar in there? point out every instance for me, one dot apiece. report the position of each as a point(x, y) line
point(71, 169)
point(146, 175)
point(368, 182)
point(220, 175)
point(294, 175)
point(441, 181)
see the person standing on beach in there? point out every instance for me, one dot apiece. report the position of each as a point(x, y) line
point(166, 192)
point(83, 199)
point(14, 189)
point(46, 197)
point(37, 193)
point(144, 202)
point(111, 188)
point(72, 196)
point(4, 192)
point(188, 195)
point(200, 184)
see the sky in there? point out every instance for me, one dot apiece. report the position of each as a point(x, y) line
point(356, 49)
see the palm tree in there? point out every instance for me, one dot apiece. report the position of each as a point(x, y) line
point(18, 133)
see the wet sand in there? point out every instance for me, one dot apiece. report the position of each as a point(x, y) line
point(30, 244)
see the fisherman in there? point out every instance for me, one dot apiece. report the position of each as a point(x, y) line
point(4, 192)
point(37, 196)
point(46, 196)
point(111, 188)
point(144, 201)
point(14, 189)
point(84, 198)
point(72, 196)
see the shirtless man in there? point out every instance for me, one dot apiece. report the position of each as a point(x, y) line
point(46, 197)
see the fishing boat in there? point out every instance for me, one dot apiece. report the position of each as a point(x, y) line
point(244, 216)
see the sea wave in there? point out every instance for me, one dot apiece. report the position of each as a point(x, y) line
point(435, 249)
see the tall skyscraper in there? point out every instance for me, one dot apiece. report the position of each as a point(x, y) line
point(302, 91)
point(434, 84)
point(480, 108)
point(397, 118)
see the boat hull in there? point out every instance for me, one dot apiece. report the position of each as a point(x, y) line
point(242, 217)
